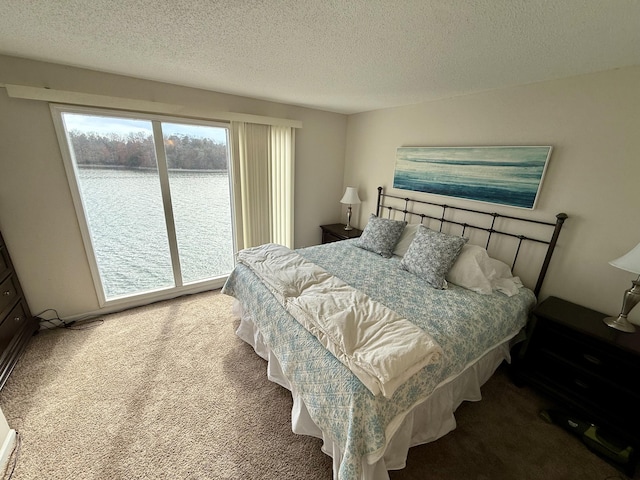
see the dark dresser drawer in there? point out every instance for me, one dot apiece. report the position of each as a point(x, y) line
point(8, 292)
point(11, 324)
point(4, 261)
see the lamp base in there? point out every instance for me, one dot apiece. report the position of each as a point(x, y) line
point(631, 299)
point(620, 323)
point(348, 225)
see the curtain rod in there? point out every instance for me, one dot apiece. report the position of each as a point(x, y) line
point(121, 103)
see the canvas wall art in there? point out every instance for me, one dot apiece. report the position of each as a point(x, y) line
point(502, 175)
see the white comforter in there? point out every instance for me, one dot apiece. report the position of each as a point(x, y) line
point(381, 348)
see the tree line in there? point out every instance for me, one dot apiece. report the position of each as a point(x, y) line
point(136, 150)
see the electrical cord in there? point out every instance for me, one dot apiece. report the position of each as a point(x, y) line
point(86, 325)
point(57, 322)
point(50, 321)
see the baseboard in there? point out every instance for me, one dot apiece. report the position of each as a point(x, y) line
point(7, 449)
point(116, 306)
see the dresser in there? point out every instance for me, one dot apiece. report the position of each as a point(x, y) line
point(336, 232)
point(17, 325)
point(590, 369)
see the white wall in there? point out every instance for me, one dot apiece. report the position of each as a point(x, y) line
point(593, 124)
point(37, 217)
point(7, 441)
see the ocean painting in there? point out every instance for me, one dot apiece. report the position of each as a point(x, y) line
point(502, 175)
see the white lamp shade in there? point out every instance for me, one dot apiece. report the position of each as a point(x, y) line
point(629, 262)
point(350, 196)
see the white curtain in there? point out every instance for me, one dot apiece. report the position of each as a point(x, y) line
point(263, 169)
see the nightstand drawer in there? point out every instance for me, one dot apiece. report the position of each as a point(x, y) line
point(336, 232)
point(328, 237)
point(593, 356)
point(591, 391)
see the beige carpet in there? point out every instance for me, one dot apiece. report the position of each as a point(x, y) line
point(168, 391)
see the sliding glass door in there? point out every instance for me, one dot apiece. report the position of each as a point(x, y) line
point(197, 160)
point(153, 199)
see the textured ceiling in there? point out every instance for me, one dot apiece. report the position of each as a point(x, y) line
point(339, 55)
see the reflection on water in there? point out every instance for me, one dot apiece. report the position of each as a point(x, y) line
point(126, 218)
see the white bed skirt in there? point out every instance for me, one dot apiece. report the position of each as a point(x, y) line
point(426, 422)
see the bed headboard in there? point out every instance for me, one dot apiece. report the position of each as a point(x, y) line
point(491, 226)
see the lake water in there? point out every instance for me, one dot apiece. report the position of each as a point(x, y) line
point(127, 224)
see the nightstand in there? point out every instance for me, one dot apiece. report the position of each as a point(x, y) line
point(336, 232)
point(590, 369)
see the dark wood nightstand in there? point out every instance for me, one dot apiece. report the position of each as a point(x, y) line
point(590, 369)
point(336, 232)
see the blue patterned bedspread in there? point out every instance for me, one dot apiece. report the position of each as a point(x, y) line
point(464, 323)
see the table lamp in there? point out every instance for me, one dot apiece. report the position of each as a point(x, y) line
point(350, 198)
point(631, 263)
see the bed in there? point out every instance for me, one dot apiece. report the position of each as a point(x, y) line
point(369, 432)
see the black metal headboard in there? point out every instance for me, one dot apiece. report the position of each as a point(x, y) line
point(444, 214)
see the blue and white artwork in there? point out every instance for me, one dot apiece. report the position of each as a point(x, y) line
point(503, 175)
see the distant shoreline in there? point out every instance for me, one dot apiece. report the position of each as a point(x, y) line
point(122, 167)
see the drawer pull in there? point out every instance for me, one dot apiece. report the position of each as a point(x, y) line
point(592, 359)
point(7, 293)
point(580, 383)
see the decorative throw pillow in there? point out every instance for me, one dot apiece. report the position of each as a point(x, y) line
point(431, 255)
point(381, 235)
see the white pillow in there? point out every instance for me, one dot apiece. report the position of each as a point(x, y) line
point(472, 270)
point(499, 269)
point(405, 239)
point(475, 270)
point(502, 279)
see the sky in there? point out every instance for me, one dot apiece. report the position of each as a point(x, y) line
point(123, 126)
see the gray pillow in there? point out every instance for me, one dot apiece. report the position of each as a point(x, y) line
point(381, 235)
point(431, 255)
